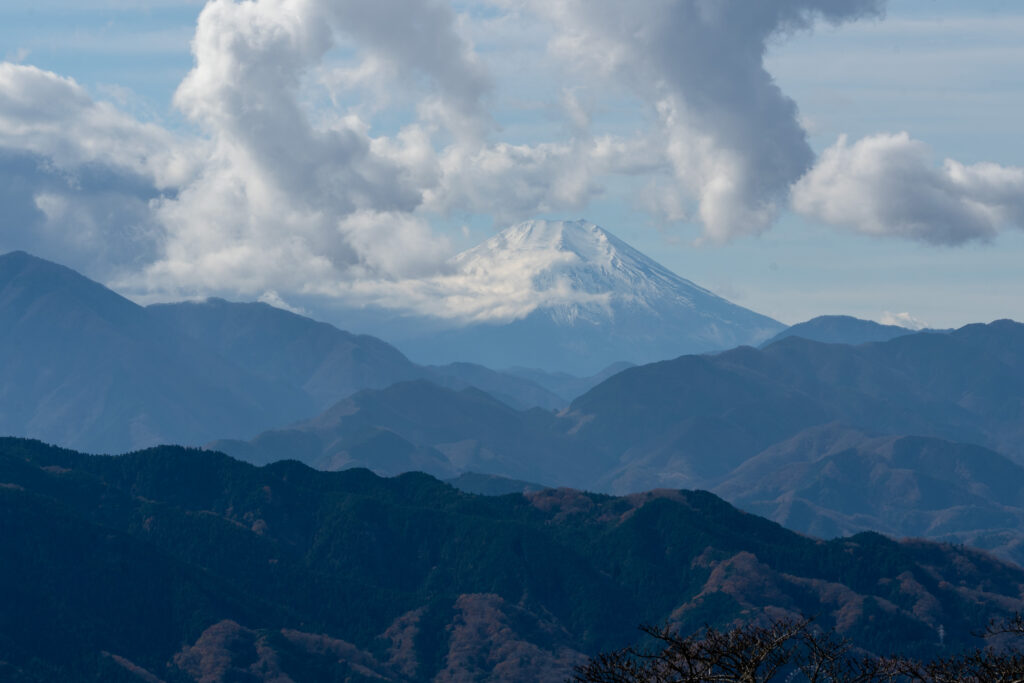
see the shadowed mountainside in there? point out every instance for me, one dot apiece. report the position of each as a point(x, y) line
point(565, 385)
point(188, 566)
point(691, 421)
point(492, 484)
point(694, 419)
point(325, 363)
point(440, 431)
point(82, 365)
point(832, 481)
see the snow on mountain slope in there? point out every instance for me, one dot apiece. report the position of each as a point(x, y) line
point(570, 296)
point(584, 273)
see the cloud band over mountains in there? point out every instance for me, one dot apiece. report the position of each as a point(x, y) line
point(327, 138)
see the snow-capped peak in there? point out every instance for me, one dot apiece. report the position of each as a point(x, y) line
point(589, 242)
point(567, 296)
point(571, 263)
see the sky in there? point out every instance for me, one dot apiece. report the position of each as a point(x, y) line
point(799, 157)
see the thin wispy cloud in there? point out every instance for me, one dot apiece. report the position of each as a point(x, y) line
point(903, 319)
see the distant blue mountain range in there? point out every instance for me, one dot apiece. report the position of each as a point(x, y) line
point(933, 422)
point(800, 431)
point(86, 368)
point(844, 329)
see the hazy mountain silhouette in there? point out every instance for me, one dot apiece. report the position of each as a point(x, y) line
point(729, 421)
point(565, 385)
point(841, 329)
point(691, 421)
point(694, 419)
point(471, 430)
point(833, 481)
point(82, 366)
point(326, 363)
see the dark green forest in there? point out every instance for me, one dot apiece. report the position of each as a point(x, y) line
point(145, 561)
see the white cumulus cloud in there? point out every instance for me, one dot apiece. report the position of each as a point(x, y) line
point(732, 136)
point(286, 198)
point(889, 185)
point(55, 118)
point(79, 178)
point(326, 137)
point(503, 279)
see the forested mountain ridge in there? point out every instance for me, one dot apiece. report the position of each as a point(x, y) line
point(181, 564)
point(834, 481)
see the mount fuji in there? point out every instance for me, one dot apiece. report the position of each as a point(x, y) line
point(576, 299)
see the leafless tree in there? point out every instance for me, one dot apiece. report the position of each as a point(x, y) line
point(746, 654)
point(795, 652)
point(826, 658)
point(1012, 626)
point(1000, 661)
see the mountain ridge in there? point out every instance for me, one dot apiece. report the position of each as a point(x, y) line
point(697, 421)
point(834, 481)
point(82, 366)
point(842, 329)
point(326, 362)
point(226, 569)
point(708, 413)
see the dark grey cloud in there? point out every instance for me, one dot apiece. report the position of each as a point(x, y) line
point(94, 218)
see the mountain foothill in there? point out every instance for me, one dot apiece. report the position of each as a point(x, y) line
point(496, 502)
